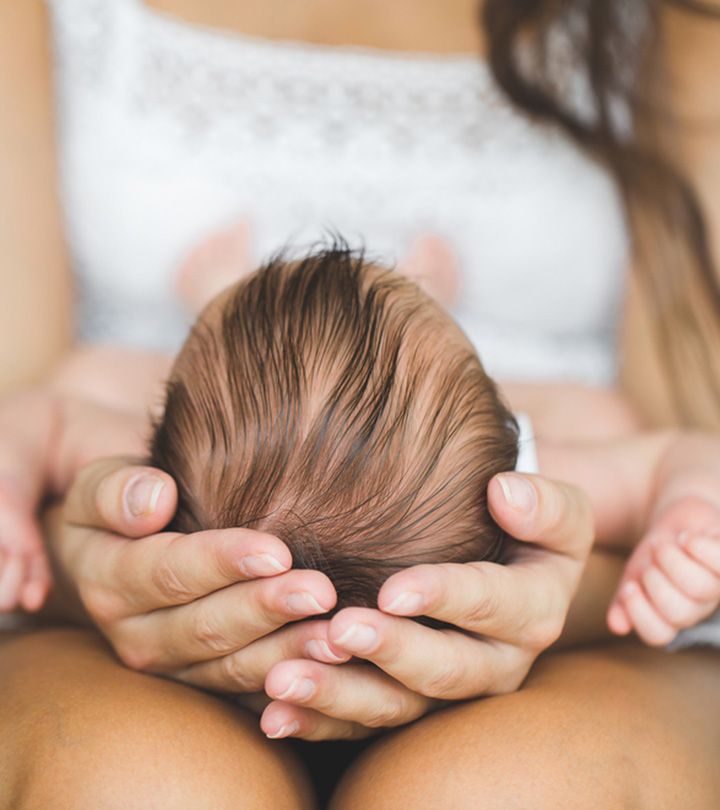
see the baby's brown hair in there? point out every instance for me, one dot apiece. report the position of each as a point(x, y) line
point(329, 402)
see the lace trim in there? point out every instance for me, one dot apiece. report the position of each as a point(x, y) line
point(227, 86)
point(82, 30)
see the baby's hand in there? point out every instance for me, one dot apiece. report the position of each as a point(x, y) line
point(24, 570)
point(672, 579)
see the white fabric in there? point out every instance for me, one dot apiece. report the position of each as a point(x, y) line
point(168, 132)
point(527, 460)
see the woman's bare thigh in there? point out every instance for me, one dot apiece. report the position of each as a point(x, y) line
point(611, 728)
point(78, 730)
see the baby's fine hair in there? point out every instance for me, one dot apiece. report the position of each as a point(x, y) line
point(329, 402)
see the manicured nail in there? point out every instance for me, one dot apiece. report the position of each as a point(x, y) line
point(319, 649)
point(519, 493)
point(358, 638)
point(143, 495)
point(284, 731)
point(304, 604)
point(261, 565)
point(407, 603)
point(299, 689)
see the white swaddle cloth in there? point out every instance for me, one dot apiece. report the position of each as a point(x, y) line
point(527, 460)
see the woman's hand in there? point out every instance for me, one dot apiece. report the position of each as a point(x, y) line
point(198, 608)
point(505, 615)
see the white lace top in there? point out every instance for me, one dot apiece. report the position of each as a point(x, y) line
point(168, 132)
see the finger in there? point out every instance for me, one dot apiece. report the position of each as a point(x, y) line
point(618, 619)
point(11, 579)
point(706, 550)
point(223, 622)
point(686, 574)
point(281, 720)
point(164, 570)
point(534, 509)
point(642, 556)
point(508, 603)
point(651, 627)
point(443, 664)
point(245, 670)
point(112, 494)
point(356, 693)
point(19, 528)
point(37, 584)
point(670, 603)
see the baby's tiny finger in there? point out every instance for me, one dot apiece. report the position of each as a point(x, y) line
point(670, 603)
point(651, 628)
point(37, 583)
point(705, 550)
point(11, 579)
point(687, 574)
point(618, 620)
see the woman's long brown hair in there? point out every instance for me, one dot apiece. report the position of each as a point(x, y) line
point(617, 47)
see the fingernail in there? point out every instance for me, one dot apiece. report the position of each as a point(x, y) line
point(319, 649)
point(284, 731)
point(406, 604)
point(261, 565)
point(304, 604)
point(630, 589)
point(519, 493)
point(143, 495)
point(359, 638)
point(299, 689)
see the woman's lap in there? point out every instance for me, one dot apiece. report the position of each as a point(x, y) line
point(610, 728)
point(78, 730)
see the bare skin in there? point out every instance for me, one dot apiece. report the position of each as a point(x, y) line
point(88, 733)
point(568, 697)
point(590, 729)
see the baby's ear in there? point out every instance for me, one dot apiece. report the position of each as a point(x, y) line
point(432, 264)
point(217, 262)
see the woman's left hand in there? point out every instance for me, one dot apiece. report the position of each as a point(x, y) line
point(506, 616)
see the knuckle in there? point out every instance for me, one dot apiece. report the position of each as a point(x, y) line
point(347, 731)
point(485, 608)
point(508, 686)
point(169, 584)
point(393, 713)
point(204, 632)
point(543, 634)
point(705, 590)
point(133, 655)
point(444, 683)
point(659, 637)
point(237, 674)
point(682, 615)
point(104, 606)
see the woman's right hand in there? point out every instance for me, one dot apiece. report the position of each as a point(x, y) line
point(170, 603)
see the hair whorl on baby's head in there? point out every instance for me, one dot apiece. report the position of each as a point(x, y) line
point(331, 403)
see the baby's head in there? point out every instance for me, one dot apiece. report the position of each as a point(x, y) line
point(328, 401)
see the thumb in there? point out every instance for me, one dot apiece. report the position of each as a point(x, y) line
point(550, 514)
point(121, 496)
